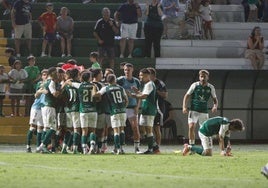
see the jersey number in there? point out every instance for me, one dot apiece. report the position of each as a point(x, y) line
point(117, 96)
point(87, 96)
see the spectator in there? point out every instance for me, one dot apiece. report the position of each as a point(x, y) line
point(193, 17)
point(65, 27)
point(30, 83)
point(205, 13)
point(21, 17)
point(170, 10)
point(246, 9)
point(104, 31)
point(3, 80)
point(93, 57)
point(254, 51)
point(253, 11)
point(9, 53)
point(48, 22)
point(129, 13)
point(169, 118)
point(265, 11)
point(7, 4)
point(17, 77)
point(153, 28)
point(260, 8)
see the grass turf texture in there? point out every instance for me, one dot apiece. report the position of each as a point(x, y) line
point(130, 170)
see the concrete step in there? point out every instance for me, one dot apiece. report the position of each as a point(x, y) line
point(1, 33)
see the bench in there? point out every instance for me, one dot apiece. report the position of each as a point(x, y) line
point(205, 63)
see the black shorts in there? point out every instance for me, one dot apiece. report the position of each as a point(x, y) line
point(158, 119)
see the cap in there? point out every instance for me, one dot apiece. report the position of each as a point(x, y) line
point(30, 57)
point(49, 4)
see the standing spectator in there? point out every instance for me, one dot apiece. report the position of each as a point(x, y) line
point(265, 11)
point(7, 4)
point(205, 13)
point(17, 77)
point(3, 80)
point(153, 28)
point(48, 22)
point(65, 27)
point(253, 11)
point(255, 45)
point(161, 95)
point(192, 17)
point(129, 13)
point(21, 17)
point(127, 82)
point(170, 11)
point(104, 31)
point(9, 53)
point(199, 92)
point(30, 83)
point(246, 9)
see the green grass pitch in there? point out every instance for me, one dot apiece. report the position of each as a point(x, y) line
point(19, 169)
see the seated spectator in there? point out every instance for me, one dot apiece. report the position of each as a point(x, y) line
point(205, 13)
point(9, 53)
point(17, 77)
point(254, 51)
point(3, 80)
point(169, 118)
point(170, 10)
point(48, 23)
point(65, 26)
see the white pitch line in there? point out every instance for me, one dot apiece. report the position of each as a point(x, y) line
point(248, 179)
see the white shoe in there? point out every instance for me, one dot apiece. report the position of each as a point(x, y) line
point(121, 56)
point(63, 55)
point(69, 55)
point(137, 151)
point(129, 56)
point(18, 55)
point(43, 54)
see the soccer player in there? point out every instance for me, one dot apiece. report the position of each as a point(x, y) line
point(48, 110)
point(118, 100)
point(87, 109)
point(161, 95)
point(148, 106)
point(199, 92)
point(36, 121)
point(127, 82)
point(220, 126)
point(72, 111)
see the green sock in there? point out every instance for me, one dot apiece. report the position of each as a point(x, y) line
point(70, 141)
point(122, 138)
point(117, 141)
point(48, 136)
point(43, 135)
point(67, 137)
point(197, 149)
point(38, 138)
point(76, 139)
point(150, 142)
point(92, 137)
point(83, 139)
point(29, 137)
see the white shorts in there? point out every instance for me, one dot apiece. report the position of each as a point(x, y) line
point(194, 117)
point(73, 120)
point(131, 113)
point(206, 141)
point(88, 119)
point(25, 30)
point(36, 117)
point(129, 30)
point(49, 117)
point(146, 120)
point(118, 120)
point(108, 122)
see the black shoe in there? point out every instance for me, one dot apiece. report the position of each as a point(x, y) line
point(148, 152)
point(29, 150)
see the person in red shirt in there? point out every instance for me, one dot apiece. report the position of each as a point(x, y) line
point(48, 22)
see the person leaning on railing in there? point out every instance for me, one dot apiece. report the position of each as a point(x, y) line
point(3, 80)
